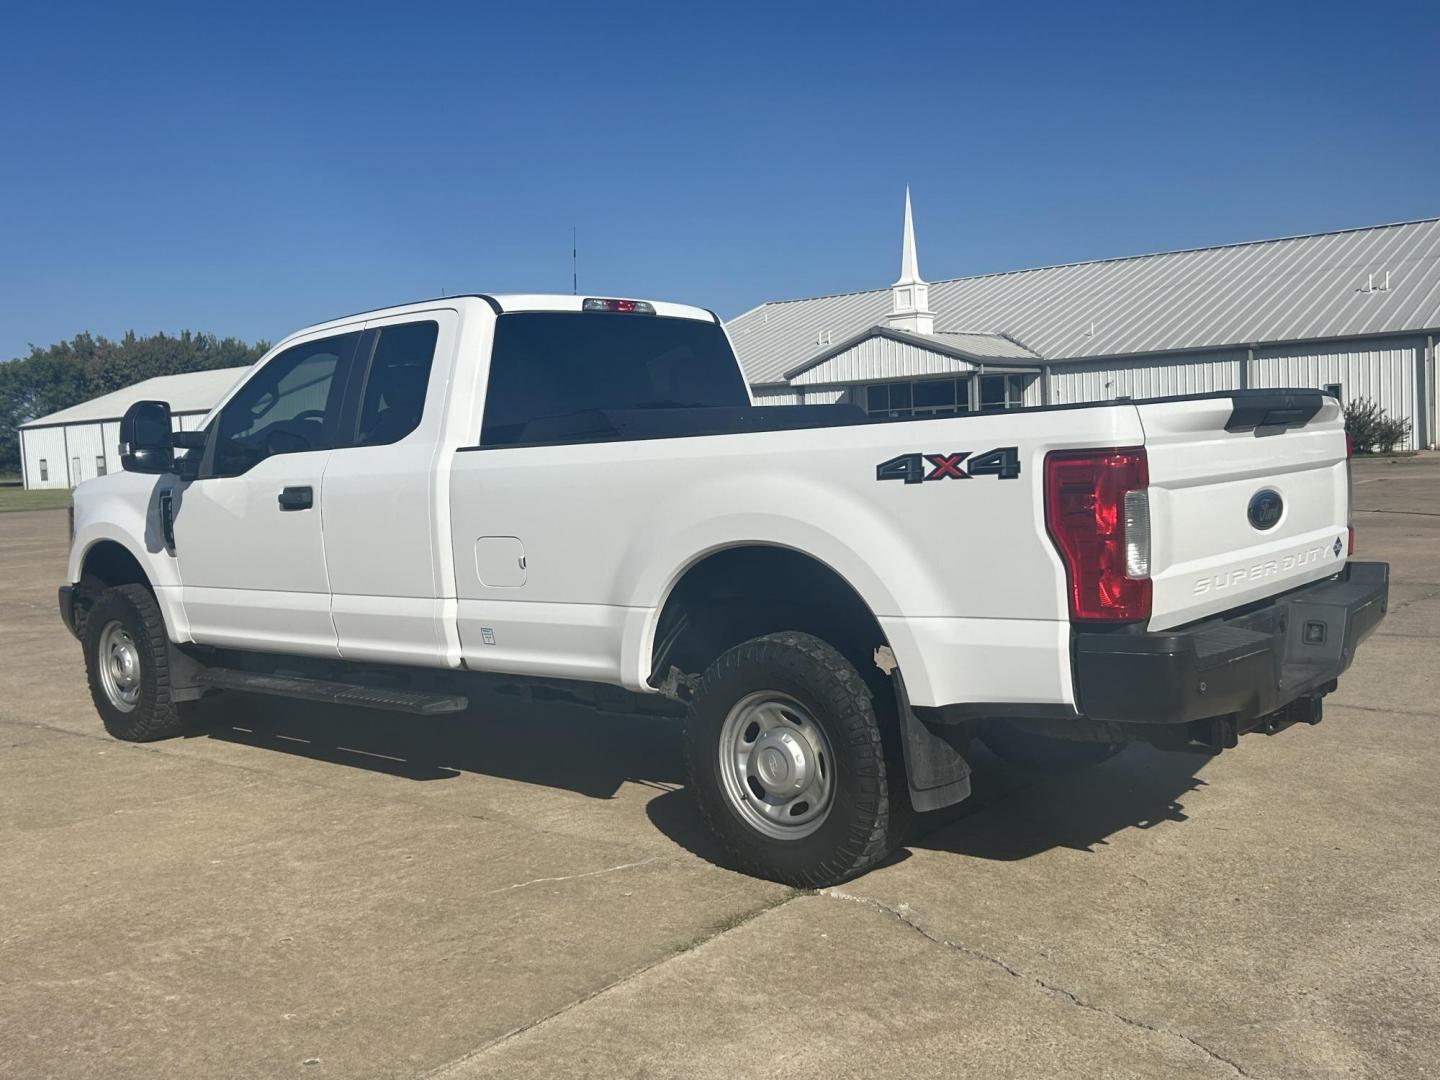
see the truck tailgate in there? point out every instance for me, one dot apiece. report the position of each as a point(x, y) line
point(1243, 512)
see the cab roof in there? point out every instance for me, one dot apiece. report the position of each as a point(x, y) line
point(501, 304)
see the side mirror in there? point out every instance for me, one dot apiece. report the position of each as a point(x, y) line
point(146, 439)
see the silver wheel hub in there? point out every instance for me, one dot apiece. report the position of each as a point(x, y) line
point(782, 763)
point(118, 661)
point(776, 765)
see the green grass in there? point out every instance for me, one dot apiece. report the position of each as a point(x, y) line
point(14, 498)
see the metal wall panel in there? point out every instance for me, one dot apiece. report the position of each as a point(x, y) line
point(768, 396)
point(86, 445)
point(110, 436)
point(814, 395)
point(48, 445)
point(1381, 371)
point(1161, 377)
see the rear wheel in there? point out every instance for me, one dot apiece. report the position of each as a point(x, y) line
point(1040, 753)
point(127, 661)
point(788, 763)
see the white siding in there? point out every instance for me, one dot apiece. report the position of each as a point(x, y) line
point(111, 429)
point(47, 444)
point(86, 445)
point(813, 395)
point(1160, 377)
point(770, 396)
point(1381, 371)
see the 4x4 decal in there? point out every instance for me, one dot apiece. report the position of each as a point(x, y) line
point(1002, 462)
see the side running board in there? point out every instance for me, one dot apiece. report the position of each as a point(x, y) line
point(337, 693)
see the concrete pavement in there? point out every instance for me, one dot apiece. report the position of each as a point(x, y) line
point(525, 891)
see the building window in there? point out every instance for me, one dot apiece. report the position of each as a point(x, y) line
point(1333, 389)
point(928, 397)
point(99, 464)
point(44, 470)
point(1001, 392)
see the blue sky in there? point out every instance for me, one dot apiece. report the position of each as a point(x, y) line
point(248, 169)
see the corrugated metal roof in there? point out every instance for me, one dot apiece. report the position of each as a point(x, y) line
point(985, 346)
point(1297, 288)
point(195, 391)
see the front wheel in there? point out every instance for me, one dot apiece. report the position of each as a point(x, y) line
point(788, 764)
point(127, 661)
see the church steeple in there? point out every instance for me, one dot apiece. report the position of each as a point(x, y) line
point(910, 296)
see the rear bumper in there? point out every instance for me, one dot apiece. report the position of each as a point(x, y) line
point(1245, 666)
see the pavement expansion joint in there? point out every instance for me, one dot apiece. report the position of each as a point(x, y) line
point(573, 877)
point(906, 915)
point(457, 1066)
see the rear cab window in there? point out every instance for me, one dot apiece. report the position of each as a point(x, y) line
point(395, 385)
point(549, 366)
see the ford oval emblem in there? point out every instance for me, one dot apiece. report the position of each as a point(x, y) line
point(1266, 506)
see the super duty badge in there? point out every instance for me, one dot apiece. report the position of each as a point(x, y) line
point(1002, 462)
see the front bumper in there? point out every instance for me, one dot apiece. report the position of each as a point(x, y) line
point(1244, 666)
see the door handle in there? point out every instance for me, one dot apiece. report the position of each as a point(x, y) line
point(297, 498)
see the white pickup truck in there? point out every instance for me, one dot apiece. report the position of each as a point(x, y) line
point(393, 507)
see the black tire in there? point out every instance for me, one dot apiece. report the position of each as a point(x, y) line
point(1039, 753)
point(154, 714)
point(862, 825)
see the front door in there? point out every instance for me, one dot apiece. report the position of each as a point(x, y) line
point(247, 531)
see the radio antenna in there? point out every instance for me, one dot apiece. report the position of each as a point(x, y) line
point(574, 273)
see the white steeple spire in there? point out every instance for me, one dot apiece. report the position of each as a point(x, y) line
point(910, 296)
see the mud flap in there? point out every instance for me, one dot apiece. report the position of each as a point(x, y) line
point(939, 775)
point(185, 672)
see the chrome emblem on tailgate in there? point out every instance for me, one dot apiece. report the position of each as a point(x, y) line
point(1266, 507)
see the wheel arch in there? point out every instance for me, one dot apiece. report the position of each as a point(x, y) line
point(112, 563)
point(748, 588)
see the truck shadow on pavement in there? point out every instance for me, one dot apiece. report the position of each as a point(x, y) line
point(1013, 814)
point(553, 745)
point(1010, 815)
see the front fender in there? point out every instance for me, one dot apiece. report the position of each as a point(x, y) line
point(124, 509)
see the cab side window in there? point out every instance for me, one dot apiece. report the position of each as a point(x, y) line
point(291, 405)
point(395, 388)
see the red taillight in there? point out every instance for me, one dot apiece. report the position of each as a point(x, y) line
point(1085, 513)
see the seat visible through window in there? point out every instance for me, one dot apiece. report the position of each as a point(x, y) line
point(395, 392)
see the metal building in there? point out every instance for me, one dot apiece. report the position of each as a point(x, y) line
point(1356, 312)
point(83, 441)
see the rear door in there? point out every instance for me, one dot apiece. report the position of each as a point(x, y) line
point(383, 509)
point(1243, 514)
point(248, 531)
